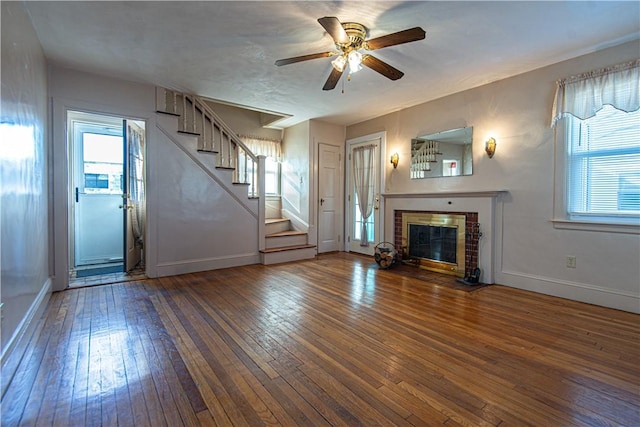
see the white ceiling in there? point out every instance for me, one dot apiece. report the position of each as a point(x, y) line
point(226, 50)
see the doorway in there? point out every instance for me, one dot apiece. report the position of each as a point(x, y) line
point(107, 195)
point(364, 226)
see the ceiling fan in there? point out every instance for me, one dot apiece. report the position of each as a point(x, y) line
point(350, 40)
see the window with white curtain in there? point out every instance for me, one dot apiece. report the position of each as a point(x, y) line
point(599, 135)
point(270, 148)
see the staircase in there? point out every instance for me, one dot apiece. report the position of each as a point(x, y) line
point(283, 243)
point(277, 240)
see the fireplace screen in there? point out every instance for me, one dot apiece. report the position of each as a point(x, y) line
point(434, 243)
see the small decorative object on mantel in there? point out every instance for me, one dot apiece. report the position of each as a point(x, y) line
point(473, 275)
point(385, 254)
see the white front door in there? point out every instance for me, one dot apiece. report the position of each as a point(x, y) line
point(97, 191)
point(107, 190)
point(330, 198)
point(355, 241)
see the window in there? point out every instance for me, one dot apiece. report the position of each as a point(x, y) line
point(94, 180)
point(450, 168)
point(271, 177)
point(603, 164)
point(270, 148)
point(598, 150)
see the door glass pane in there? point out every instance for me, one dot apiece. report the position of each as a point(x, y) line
point(357, 232)
point(102, 163)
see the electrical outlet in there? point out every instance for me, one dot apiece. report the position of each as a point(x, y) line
point(571, 261)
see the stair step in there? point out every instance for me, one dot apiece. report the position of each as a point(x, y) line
point(288, 254)
point(284, 239)
point(168, 113)
point(287, 233)
point(276, 225)
point(286, 248)
point(275, 220)
point(186, 132)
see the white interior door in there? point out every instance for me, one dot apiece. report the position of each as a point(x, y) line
point(355, 242)
point(330, 199)
point(97, 192)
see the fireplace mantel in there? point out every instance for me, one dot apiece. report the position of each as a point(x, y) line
point(488, 204)
point(441, 194)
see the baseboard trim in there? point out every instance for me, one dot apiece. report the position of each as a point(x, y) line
point(205, 264)
point(591, 294)
point(14, 350)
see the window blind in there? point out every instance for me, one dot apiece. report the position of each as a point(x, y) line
point(604, 164)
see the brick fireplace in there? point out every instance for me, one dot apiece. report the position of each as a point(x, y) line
point(437, 240)
point(478, 206)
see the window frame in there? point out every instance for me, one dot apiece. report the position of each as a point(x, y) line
point(561, 218)
point(278, 172)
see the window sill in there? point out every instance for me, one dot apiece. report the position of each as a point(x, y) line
point(601, 226)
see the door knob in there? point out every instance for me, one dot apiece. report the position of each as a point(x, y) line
point(321, 202)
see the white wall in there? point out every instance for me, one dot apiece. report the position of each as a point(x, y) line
point(199, 224)
point(531, 252)
point(295, 172)
point(24, 223)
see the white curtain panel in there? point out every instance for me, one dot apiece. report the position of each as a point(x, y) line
point(585, 94)
point(364, 175)
point(263, 146)
point(136, 181)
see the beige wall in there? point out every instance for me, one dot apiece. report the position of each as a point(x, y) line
point(531, 253)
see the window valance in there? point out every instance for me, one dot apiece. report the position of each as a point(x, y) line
point(585, 94)
point(263, 146)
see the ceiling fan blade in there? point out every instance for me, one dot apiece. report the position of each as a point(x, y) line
point(405, 36)
point(333, 79)
point(295, 59)
point(334, 28)
point(382, 67)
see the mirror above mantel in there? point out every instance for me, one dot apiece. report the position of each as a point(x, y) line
point(441, 154)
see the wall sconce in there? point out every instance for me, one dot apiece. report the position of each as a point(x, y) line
point(490, 147)
point(394, 160)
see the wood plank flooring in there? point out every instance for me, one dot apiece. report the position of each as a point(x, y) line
point(332, 341)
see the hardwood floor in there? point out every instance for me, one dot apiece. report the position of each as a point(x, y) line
point(332, 341)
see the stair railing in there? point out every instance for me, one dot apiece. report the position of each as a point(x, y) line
point(197, 118)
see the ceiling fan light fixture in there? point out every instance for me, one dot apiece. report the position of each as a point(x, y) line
point(355, 61)
point(350, 38)
point(339, 63)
